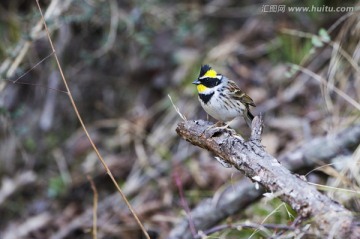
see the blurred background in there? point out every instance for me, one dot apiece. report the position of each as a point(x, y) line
point(122, 60)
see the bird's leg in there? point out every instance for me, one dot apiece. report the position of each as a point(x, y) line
point(225, 126)
point(218, 126)
point(212, 129)
point(222, 125)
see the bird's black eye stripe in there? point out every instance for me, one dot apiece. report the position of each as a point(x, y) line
point(210, 82)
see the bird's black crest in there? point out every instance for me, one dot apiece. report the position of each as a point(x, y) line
point(204, 69)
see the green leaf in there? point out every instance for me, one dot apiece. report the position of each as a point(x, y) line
point(291, 72)
point(316, 41)
point(324, 36)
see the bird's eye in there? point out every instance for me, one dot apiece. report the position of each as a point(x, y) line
point(210, 82)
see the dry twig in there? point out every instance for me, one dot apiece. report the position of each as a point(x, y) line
point(250, 158)
point(238, 196)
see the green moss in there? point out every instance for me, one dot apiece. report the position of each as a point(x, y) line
point(30, 144)
point(57, 187)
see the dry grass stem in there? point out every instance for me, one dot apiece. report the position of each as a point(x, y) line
point(331, 86)
point(177, 109)
point(95, 207)
point(86, 131)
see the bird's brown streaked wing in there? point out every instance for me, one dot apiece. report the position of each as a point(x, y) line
point(238, 94)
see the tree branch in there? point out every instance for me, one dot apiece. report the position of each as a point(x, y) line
point(250, 158)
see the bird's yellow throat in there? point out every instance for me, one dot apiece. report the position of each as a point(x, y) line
point(201, 88)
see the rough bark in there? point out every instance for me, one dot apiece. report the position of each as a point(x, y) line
point(329, 217)
point(242, 193)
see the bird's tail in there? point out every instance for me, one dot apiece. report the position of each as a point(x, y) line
point(248, 117)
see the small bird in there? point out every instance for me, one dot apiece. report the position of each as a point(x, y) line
point(222, 98)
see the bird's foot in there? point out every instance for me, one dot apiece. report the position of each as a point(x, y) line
point(218, 124)
point(221, 125)
point(217, 127)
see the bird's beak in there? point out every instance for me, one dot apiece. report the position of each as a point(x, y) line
point(196, 82)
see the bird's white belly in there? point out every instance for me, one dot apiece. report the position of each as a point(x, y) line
point(218, 110)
